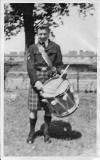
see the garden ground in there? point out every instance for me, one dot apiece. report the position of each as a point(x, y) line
point(74, 135)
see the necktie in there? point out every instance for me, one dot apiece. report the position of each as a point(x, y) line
point(43, 44)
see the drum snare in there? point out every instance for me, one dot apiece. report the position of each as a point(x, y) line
point(61, 97)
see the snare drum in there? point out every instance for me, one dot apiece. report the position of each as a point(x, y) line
point(61, 97)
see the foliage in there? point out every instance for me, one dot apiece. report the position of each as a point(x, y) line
point(30, 15)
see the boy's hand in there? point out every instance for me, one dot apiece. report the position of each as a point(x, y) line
point(39, 85)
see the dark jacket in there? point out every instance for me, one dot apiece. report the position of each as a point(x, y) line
point(35, 60)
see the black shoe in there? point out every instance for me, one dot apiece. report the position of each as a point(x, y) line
point(31, 137)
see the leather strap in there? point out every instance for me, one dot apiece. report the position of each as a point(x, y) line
point(46, 58)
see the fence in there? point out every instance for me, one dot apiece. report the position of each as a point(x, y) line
point(81, 81)
point(68, 59)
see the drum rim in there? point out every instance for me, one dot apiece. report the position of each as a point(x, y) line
point(68, 114)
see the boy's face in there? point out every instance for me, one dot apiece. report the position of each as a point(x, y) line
point(43, 34)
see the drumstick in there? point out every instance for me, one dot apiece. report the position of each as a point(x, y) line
point(62, 75)
point(64, 71)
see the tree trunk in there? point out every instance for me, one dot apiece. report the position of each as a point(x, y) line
point(29, 29)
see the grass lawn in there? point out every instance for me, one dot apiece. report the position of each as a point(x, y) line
point(82, 126)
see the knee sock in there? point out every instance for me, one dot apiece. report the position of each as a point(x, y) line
point(32, 124)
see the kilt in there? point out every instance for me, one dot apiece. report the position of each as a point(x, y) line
point(34, 99)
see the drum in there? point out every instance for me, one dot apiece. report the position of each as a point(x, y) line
point(61, 97)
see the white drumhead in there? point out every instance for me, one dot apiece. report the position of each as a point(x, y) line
point(61, 89)
point(55, 87)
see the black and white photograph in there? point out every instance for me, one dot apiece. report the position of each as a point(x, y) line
point(50, 79)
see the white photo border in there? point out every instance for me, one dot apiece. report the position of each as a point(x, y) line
point(2, 79)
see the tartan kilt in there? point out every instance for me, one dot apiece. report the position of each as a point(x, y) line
point(34, 99)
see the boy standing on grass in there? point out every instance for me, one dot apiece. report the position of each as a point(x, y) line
point(40, 67)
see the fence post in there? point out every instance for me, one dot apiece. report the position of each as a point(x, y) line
point(78, 81)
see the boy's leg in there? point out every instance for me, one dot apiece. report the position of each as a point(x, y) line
point(47, 120)
point(32, 120)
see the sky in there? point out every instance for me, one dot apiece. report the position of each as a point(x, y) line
point(76, 34)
